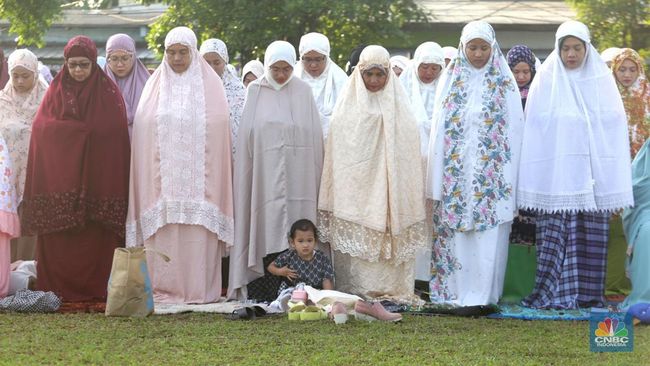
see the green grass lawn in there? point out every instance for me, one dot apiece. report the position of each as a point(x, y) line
point(191, 339)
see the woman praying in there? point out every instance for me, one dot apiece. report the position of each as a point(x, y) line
point(180, 198)
point(76, 185)
point(575, 122)
point(127, 71)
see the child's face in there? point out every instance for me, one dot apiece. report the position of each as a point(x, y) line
point(304, 243)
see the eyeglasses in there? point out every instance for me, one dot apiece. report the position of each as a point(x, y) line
point(117, 59)
point(315, 60)
point(79, 65)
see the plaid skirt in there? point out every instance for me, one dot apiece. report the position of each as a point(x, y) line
point(571, 260)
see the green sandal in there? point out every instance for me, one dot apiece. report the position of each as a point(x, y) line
point(295, 310)
point(312, 312)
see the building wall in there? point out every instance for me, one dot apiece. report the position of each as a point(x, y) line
point(99, 25)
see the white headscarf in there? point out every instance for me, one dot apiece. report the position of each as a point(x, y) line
point(235, 91)
point(609, 54)
point(449, 52)
point(328, 85)
point(314, 42)
point(400, 61)
point(576, 154)
point(253, 66)
point(421, 95)
point(475, 139)
point(217, 46)
point(275, 52)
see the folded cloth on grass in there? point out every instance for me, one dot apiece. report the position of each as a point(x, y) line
point(27, 301)
point(514, 311)
point(327, 297)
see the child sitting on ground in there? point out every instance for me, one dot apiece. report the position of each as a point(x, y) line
point(303, 262)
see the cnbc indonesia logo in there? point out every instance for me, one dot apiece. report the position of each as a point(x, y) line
point(611, 333)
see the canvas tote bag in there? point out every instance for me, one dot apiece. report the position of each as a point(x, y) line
point(129, 286)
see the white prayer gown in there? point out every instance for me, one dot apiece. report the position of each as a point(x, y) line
point(472, 174)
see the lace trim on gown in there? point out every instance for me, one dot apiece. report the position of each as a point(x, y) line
point(368, 244)
point(181, 136)
point(180, 212)
point(574, 202)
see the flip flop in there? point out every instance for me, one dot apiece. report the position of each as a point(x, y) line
point(258, 310)
point(243, 313)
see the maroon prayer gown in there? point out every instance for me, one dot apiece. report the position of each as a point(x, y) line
point(76, 190)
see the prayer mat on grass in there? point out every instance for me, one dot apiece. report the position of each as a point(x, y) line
point(514, 311)
point(218, 308)
point(82, 307)
point(442, 309)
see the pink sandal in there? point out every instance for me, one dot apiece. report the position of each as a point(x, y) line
point(375, 311)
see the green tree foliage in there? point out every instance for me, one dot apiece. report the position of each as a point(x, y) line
point(248, 26)
point(30, 19)
point(616, 23)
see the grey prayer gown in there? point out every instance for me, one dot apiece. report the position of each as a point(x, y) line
point(278, 164)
